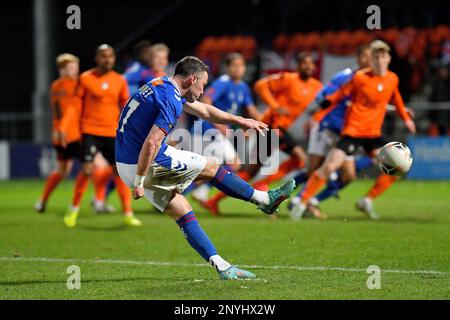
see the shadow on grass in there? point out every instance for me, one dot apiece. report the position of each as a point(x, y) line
point(120, 227)
point(84, 281)
point(147, 211)
point(388, 219)
point(240, 215)
point(284, 216)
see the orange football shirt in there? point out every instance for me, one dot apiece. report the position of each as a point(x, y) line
point(369, 96)
point(103, 96)
point(65, 116)
point(286, 90)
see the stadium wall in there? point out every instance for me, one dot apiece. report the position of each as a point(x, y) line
point(26, 160)
point(431, 158)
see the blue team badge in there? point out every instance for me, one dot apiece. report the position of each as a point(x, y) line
point(180, 166)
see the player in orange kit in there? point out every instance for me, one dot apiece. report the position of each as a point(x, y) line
point(66, 129)
point(287, 95)
point(370, 91)
point(103, 93)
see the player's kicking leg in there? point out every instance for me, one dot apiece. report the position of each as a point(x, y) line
point(163, 188)
point(233, 186)
point(181, 211)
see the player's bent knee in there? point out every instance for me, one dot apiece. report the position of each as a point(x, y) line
point(87, 168)
point(210, 169)
point(178, 206)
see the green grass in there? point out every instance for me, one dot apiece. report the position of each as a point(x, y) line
point(413, 234)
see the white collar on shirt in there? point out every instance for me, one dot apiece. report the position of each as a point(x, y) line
point(176, 86)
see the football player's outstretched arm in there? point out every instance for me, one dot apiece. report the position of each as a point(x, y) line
point(397, 101)
point(213, 114)
point(146, 156)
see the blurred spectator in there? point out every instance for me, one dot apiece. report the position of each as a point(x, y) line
point(139, 69)
point(152, 62)
point(440, 91)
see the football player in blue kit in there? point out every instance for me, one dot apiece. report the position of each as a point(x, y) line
point(151, 64)
point(160, 172)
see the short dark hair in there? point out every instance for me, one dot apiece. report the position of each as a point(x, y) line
point(141, 46)
point(103, 47)
point(233, 56)
point(303, 55)
point(362, 48)
point(190, 65)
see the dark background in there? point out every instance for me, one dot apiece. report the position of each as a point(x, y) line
point(181, 25)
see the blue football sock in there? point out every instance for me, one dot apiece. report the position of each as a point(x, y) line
point(301, 178)
point(232, 185)
point(110, 187)
point(195, 235)
point(229, 168)
point(331, 190)
point(362, 163)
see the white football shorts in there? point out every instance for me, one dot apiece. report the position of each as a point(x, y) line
point(161, 182)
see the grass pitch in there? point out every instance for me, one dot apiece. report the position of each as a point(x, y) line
point(309, 259)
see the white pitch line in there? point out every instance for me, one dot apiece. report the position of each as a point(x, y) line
point(183, 264)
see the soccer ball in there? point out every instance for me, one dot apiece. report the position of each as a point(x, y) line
point(395, 159)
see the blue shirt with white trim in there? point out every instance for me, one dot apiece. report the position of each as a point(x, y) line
point(159, 103)
point(137, 75)
point(334, 120)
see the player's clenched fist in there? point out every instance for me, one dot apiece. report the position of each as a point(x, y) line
point(138, 192)
point(138, 187)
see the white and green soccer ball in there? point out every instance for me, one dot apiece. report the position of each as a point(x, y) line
point(395, 159)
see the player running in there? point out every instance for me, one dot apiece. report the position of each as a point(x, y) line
point(370, 92)
point(324, 130)
point(102, 92)
point(232, 94)
point(66, 133)
point(160, 172)
point(287, 95)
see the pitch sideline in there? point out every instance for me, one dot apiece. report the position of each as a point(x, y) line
point(182, 264)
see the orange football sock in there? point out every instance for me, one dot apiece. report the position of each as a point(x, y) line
point(124, 194)
point(100, 177)
point(382, 183)
point(244, 175)
point(287, 166)
point(52, 181)
point(81, 184)
point(261, 185)
point(313, 185)
point(219, 196)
